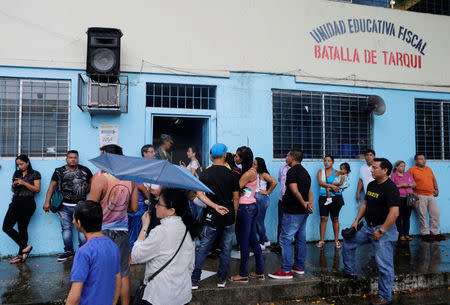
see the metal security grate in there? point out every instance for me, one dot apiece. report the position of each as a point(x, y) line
point(34, 117)
point(181, 96)
point(432, 128)
point(320, 123)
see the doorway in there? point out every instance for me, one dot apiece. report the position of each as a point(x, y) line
point(185, 131)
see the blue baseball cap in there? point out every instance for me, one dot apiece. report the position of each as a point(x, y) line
point(218, 150)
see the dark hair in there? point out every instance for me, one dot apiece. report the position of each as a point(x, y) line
point(90, 215)
point(346, 166)
point(177, 199)
point(72, 152)
point(262, 168)
point(196, 152)
point(384, 164)
point(24, 158)
point(297, 154)
point(329, 156)
point(145, 148)
point(417, 155)
point(112, 149)
point(370, 151)
point(229, 159)
point(246, 155)
point(397, 164)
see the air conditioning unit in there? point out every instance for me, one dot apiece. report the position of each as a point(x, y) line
point(103, 95)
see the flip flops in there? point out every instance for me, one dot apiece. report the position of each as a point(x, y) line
point(26, 254)
point(16, 259)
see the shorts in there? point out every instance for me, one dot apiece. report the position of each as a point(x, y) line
point(121, 239)
point(333, 208)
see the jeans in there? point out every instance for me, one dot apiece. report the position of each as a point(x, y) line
point(384, 248)
point(293, 226)
point(66, 216)
point(402, 221)
point(247, 237)
point(206, 241)
point(262, 202)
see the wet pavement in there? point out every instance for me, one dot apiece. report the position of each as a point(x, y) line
point(42, 280)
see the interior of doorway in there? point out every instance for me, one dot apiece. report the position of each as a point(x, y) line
point(185, 132)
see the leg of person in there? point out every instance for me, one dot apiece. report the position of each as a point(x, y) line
point(300, 244)
point(421, 212)
point(280, 216)
point(324, 211)
point(262, 202)
point(349, 249)
point(434, 215)
point(384, 252)
point(27, 211)
point(399, 222)
point(245, 218)
point(335, 208)
point(9, 222)
point(66, 217)
point(406, 221)
point(207, 238)
point(329, 200)
point(259, 260)
point(226, 243)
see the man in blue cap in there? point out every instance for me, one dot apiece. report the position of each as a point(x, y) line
point(219, 215)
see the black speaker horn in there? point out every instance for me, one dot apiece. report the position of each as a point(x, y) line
point(376, 105)
point(103, 54)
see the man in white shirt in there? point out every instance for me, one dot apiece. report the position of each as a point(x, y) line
point(365, 174)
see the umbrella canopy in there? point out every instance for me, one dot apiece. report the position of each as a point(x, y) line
point(154, 171)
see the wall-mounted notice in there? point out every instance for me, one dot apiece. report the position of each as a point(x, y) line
point(108, 134)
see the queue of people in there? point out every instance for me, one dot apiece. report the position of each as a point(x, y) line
point(154, 225)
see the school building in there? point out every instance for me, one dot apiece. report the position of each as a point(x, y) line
point(327, 77)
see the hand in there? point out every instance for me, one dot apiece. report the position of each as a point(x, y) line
point(335, 188)
point(358, 197)
point(436, 193)
point(416, 196)
point(145, 219)
point(354, 225)
point(221, 209)
point(309, 207)
point(46, 207)
point(262, 192)
point(377, 234)
point(19, 181)
point(182, 164)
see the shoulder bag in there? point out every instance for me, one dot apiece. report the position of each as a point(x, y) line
point(56, 200)
point(137, 300)
point(411, 200)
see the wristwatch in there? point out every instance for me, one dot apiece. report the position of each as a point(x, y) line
point(381, 231)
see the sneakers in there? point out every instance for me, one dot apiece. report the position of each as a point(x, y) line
point(329, 200)
point(438, 237)
point(381, 301)
point(281, 275)
point(221, 284)
point(262, 247)
point(195, 285)
point(267, 244)
point(65, 256)
point(297, 270)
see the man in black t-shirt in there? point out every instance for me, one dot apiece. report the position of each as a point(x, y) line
point(73, 181)
point(380, 210)
point(219, 215)
point(297, 204)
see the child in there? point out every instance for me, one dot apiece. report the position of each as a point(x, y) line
point(341, 180)
point(95, 273)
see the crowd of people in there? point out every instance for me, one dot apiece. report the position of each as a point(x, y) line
point(125, 222)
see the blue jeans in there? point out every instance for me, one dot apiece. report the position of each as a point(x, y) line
point(293, 226)
point(66, 216)
point(384, 248)
point(247, 237)
point(206, 241)
point(262, 202)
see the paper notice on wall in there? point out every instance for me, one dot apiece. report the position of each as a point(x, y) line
point(108, 134)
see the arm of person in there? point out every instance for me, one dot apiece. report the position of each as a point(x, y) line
point(219, 208)
point(272, 181)
point(117, 288)
point(36, 188)
point(48, 196)
point(436, 188)
point(390, 220)
point(145, 249)
point(358, 190)
point(309, 205)
point(156, 192)
point(323, 184)
point(133, 207)
point(361, 213)
point(144, 190)
point(98, 188)
point(236, 203)
point(294, 189)
point(74, 296)
point(88, 189)
point(247, 177)
point(340, 182)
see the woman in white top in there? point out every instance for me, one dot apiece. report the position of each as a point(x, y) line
point(265, 185)
point(172, 286)
point(192, 154)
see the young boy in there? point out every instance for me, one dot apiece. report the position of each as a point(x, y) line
point(96, 268)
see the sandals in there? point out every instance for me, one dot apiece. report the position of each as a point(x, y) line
point(238, 279)
point(26, 254)
point(338, 244)
point(16, 259)
point(320, 244)
point(408, 238)
point(254, 275)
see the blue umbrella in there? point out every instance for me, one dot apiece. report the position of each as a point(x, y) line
point(154, 171)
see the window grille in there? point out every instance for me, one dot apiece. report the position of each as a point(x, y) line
point(34, 117)
point(320, 123)
point(181, 96)
point(432, 128)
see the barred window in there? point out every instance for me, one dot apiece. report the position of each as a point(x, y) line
point(181, 96)
point(432, 128)
point(34, 117)
point(320, 123)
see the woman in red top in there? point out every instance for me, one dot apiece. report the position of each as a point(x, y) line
point(405, 184)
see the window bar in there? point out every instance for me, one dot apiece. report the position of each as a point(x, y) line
point(43, 119)
point(323, 125)
point(442, 131)
point(19, 146)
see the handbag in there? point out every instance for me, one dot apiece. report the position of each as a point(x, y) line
point(141, 288)
point(411, 200)
point(56, 201)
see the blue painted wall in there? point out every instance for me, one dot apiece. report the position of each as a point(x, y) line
point(244, 117)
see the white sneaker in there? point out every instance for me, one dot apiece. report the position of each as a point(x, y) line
point(262, 247)
point(267, 244)
point(329, 200)
point(221, 284)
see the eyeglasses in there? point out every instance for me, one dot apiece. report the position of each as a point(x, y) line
point(161, 205)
